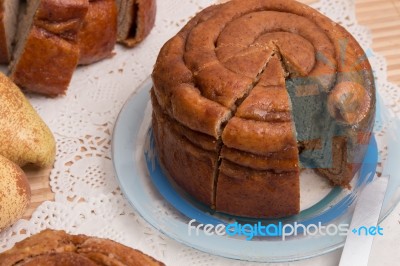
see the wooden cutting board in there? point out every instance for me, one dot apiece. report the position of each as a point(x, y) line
point(382, 17)
point(40, 187)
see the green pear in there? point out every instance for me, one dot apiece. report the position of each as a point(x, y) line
point(24, 137)
point(15, 193)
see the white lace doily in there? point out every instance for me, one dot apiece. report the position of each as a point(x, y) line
point(87, 197)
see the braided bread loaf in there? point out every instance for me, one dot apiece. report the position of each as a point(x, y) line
point(250, 92)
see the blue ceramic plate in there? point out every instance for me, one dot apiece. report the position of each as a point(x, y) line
point(160, 202)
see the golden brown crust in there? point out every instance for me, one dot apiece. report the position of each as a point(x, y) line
point(32, 71)
point(99, 31)
point(198, 139)
point(144, 16)
point(318, 32)
point(192, 167)
point(222, 85)
point(274, 74)
point(285, 160)
point(59, 259)
point(62, 12)
point(258, 137)
point(187, 103)
point(51, 41)
point(272, 65)
point(53, 248)
point(246, 192)
point(247, 62)
point(268, 104)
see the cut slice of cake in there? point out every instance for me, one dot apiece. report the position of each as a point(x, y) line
point(47, 49)
point(272, 84)
point(135, 20)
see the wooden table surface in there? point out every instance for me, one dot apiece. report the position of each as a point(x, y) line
point(382, 17)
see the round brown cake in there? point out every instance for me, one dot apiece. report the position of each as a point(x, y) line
point(250, 92)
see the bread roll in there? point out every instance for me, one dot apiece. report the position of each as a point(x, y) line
point(8, 27)
point(15, 193)
point(135, 20)
point(47, 49)
point(99, 31)
point(52, 248)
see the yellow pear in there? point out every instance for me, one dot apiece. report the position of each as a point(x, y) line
point(15, 193)
point(24, 137)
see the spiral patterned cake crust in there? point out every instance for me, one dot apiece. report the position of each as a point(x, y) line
point(52, 248)
point(249, 92)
